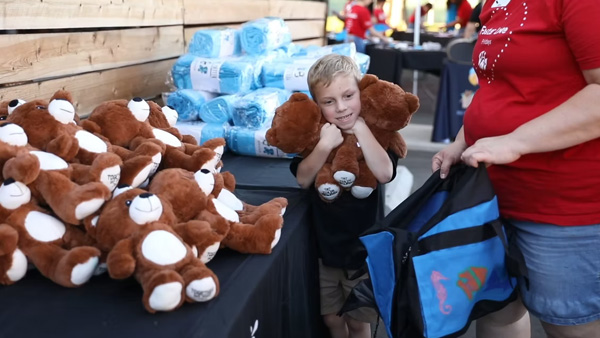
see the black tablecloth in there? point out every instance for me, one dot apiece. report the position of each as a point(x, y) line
point(449, 112)
point(276, 292)
point(260, 172)
point(423, 37)
point(389, 63)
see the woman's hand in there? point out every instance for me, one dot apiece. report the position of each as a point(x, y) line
point(492, 150)
point(448, 157)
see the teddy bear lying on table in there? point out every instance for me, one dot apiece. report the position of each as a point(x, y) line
point(385, 107)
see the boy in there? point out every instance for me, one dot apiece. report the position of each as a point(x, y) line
point(333, 83)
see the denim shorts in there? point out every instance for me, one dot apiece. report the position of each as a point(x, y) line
point(563, 263)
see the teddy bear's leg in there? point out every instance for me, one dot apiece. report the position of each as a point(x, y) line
point(201, 284)
point(326, 185)
point(163, 289)
point(69, 268)
point(365, 183)
point(106, 169)
point(260, 237)
point(69, 201)
point(252, 213)
point(345, 166)
point(13, 263)
point(136, 170)
point(216, 144)
point(24, 168)
point(201, 236)
point(202, 158)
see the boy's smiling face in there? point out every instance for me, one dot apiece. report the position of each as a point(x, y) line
point(340, 101)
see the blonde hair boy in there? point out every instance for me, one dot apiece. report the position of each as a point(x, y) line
point(328, 67)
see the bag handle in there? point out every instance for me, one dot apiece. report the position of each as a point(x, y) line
point(515, 261)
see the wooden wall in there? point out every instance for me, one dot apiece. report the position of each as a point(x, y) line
point(105, 49)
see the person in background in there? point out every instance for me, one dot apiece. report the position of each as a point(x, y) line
point(358, 23)
point(347, 8)
point(424, 10)
point(333, 83)
point(458, 12)
point(540, 137)
point(379, 14)
point(474, 24)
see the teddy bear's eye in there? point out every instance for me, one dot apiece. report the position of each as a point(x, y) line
point(40, 107)
point(128, 202)
point(3, 117)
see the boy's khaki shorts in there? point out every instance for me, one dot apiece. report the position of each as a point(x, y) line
point(335, 288)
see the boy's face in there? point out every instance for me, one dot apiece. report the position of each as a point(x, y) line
point(340, 101)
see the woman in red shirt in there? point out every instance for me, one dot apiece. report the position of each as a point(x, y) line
point(535, 121)
point(463, 13)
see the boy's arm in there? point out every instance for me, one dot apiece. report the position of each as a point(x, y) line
point(377, 159)
point(330, 138)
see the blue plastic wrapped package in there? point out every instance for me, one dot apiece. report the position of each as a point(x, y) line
point(257, 62)
point(347, 49)
point(203, 131)
point(225, 76)
point(287, 74)
point(215, 43)
point(256, 109)
point(264, 34)
point(252, 142)
point(219, 110)
point(363, 61)
point(187, 103)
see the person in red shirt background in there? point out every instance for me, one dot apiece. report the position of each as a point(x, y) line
point(463, 13)
point(358, 23)
point(540, 137)
point(378, 12)
point(424, 10)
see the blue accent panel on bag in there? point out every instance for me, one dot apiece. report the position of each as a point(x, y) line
point(477, 215)
point(380, 260)
point(452, 280)
point(431, 207)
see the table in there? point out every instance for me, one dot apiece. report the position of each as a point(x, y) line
point(389, 63)
point(449, 112)
point(442, 39)
point(277, 292)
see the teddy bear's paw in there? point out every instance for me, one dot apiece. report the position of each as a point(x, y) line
point(110, 176)
point(328, 191)
point(276, 238)
point(136, 171)
point(82, 272)
point(86, 208)
point(209, 253)
point(201, 290)
point(229, 199)
point(361, 192)
point(165, 297)
point(344, 178)
point(18, 268)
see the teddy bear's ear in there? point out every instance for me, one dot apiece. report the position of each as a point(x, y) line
point(367, 80)
point(62, 95)
point(296, 97)
point(412, 101)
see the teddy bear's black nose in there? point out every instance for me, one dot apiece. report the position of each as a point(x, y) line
point(146, 195)
point(8, 181)
point(13, 103)
point(121, 186)
point(137, 99)
point(205, 171)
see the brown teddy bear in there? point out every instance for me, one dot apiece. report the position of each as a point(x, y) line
point(51, 126)
point(125, 123)
point(386, 109)
point(28, 232)
point(134, 230)
point(52, 180)
point(191, 195)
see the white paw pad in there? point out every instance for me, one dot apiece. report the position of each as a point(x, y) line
point(82, 272)
point(329, 191)
point(202, 290)
point(276, 239)
point(210, 252)
point(19, 266)
point(344, 178)
point(165, 297)
point(110, 177)
point(84, 209)
point(361, 192)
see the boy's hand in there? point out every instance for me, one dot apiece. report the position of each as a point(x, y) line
point(359, 126)
point(331, 136)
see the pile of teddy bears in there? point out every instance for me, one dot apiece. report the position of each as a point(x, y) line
point(123, 191)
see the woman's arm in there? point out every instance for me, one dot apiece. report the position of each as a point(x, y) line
point(575, 121)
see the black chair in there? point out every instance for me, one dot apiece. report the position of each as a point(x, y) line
point(461, 51)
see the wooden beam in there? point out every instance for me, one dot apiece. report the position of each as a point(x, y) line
point(57, 14)
point(223, 11)
point(25, 57)
point(311, 42)
point(89, 90)
point(298, 9)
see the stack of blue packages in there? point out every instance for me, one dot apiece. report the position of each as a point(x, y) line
point(219, 110)
point(348, 49)
point(251, 142)
point(257, 62)
point(225, 76)
point(363, 61)
point(215, 43)
point(256, 109)
point(290, 74)
point(203, 131)
point(264, 34)
point(187, 103)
